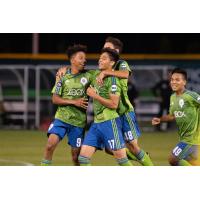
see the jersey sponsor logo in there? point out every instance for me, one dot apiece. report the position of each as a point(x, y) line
point(84, 80)
point(114, 88)
point(179, 114)
point(75, 92)
point(181, 103)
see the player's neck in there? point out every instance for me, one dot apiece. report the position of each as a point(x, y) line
point(108, 69)
point(74, 70)
point(180, 92)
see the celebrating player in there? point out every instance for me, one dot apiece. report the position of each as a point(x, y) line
point(185, 109)
point(130, 127)
point(69, 94)
point(106, 129)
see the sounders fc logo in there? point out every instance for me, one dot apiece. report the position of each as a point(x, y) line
point(84, 80)
point(181, 103)
point(114, 88)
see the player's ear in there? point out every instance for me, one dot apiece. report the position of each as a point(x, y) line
point(112, 63)
point(185, 82)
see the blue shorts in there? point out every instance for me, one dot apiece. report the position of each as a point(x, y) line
point(185, 151)
point(75, 134)
point(130, 126)
point(105, 134)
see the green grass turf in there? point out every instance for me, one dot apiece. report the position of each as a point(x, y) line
point(21, 146)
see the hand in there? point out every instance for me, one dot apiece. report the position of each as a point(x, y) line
point(61, 72)
point(82, 102)
point(91, 92)
point(100, 78)
point(155, 121)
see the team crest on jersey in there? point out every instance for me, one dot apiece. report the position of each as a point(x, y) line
point(84, 80)
point(181, 103)
point(114, 88)
point(123, 65)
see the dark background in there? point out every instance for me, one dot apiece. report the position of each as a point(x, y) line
point(133, 42)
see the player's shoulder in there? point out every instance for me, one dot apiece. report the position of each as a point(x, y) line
point(192, 94)
point(173, 95)
point(122, 63)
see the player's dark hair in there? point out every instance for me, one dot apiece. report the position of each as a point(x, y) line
point(76, 48)
point(180, 71)
point(116, 43)
point(113, 54)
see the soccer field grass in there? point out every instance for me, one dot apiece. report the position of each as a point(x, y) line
point(21, 147)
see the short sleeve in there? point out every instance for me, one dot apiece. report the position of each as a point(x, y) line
point(122, 65)
point(115, 87)
point(195, 98)
point(57, 89)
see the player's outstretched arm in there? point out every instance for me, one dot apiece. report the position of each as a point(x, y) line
point(165, 118)
point(117, 73)
point(112, 102)
point(81, 102)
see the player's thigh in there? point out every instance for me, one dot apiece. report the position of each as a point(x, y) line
point(58, 128)
point(130, 127)
point(53, 140)
point(111, 134)
point(183, 151)
point(93, 138)
point(75, 136)
point(87, 151)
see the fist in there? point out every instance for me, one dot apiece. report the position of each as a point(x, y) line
point(155, 121)
point(91, 92)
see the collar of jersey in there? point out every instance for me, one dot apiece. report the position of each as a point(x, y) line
point(69, 72)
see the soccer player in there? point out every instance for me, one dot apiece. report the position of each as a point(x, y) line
point(70, 95)
point(185, 110)
point(130, 127)
point(106, 129)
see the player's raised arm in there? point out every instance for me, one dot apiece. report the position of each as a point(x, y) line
point(122, 70)
point(61, 72)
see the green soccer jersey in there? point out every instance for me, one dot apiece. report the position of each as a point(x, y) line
point(186, 110)
point(72, 87)
point(111, 85)
point(124, 104)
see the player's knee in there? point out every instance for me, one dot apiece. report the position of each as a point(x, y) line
point(50, 147)
point(121, 153)
point(173, 160)
point(75, 159)
point(108, 151)
point(133, 147)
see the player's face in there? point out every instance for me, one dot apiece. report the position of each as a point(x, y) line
point(110, 45)
point(177, 82)
point(79, 60)
point(105, 62)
